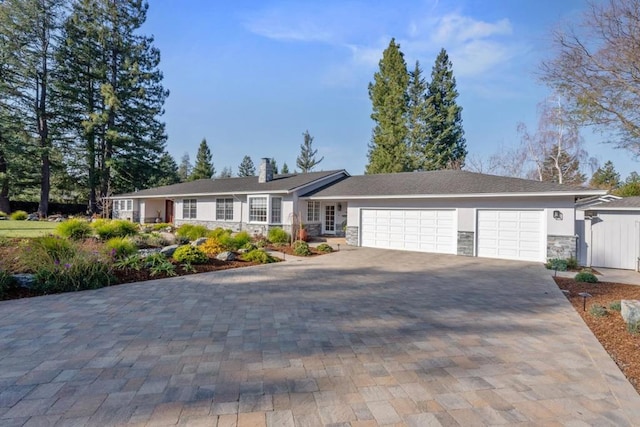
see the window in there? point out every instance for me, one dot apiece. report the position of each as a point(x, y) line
point(224, 209)
point(276, 210)
point(189, 210)
point(123, 205)
point(313, 211)
point(258, 209)
point(129, 205)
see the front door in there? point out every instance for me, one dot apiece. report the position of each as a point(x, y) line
point(330, 219)
point(168, 209)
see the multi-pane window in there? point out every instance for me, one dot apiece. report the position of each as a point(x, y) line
point(258, 209)
point(129, 205)
point(189, 208)
point(276, 210)
point(123, 205)
point(224, 209)
point(313, 211)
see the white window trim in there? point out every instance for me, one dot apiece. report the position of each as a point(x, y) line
point(269, 209)
point(225, 200)
point(318, 211)
point(183, 209)
point(249, 209)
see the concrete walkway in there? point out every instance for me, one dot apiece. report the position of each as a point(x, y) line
point(357, 338)
point(612, 275)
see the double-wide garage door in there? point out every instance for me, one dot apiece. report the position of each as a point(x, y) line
point(410, 229)
point(510, 234)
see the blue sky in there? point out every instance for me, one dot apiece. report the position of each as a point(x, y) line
point(252, 76)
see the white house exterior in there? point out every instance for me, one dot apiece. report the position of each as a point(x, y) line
point(454, 212)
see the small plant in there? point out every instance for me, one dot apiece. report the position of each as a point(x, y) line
point(261, 242)
point(277, 235)
point(634, 327)
point(615, 306)
point(212, 247)
point(106, 229)
point(76, 229)
point(323, 247)
point(259, 256)
point(218, 232)
point(7, 281)
point(572, 263)
point(301, 248)
point(149, 240)
point(241, 239)
point(586, 277)
point(597, 310)
point(192, 231)
point(188, 268)
point(154, 259)
point(157, 263)
point(3, 214)
point(131, 262)
point(190, 254)
point(557, 264)
point(52, 246)
point(74, 274)
point(19, 216)
point(120, 247)
point(248, 247)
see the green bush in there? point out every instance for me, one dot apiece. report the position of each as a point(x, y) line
point(190, 255)
point(52, 246)
point(19, 216)
point(73, 274)
point(120, 247)
point(597, 310)
point(76, 229)
point(132, 262)
point(192, 231)
point(572, 263)
point(106, 229)
point(150, 240)
point(277, 235)
point(248, 247)
point(615, 306)
point(230, 242)
point(634, 327)
point(218, 232)
point(301, 248)
point(259, 256)
point(157, 263)
point(3, 214)
point(7, 281)
point(587, 277)
point(323, 247)
point(241, 238)
point(557, 264)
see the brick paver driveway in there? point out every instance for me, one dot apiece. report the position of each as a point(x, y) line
point(362, 337)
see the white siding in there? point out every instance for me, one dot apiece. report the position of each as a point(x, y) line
point(615, 240)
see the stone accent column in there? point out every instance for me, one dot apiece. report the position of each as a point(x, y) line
point(352, 236)
point(465, 243)
point(561, 247)
point(312, 229)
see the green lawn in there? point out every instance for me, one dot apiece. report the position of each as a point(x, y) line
point(10, 228)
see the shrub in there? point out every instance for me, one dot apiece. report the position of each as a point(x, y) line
point(634, 327)
point(161, 226)
point(587, 277)
point(218, 232)
point(241, 239)
point(7, 281)
point(323, 247)
point(572, 263)
point(19, 216)
point(75, 229)
point(133, 262)
point(3, 214)
point(262, 242)
point(190, 255)
point(301, 248)
point(277, 235)
point(557, 264)
point(259, 256)
point(192, 231)
point(615, 306)
point(248, 247)
point(120, 247)
point(52, 246)
point(597, 310)
point(212, 247)
point(157, 263)
point(116, 228)
point(77, 273)
point(150, 240)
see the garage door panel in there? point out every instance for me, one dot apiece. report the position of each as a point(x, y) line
point(510, 234)
point(415, 229)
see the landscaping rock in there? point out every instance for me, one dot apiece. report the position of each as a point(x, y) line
point(149, 251)
point(630, 310)
point(25, 280)
point(226, 256)
point(199, 241)
point(169, 250)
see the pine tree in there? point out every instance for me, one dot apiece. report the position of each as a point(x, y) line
point(388, 93)
point(185, 168)
point(246, 168)
point(165, 172)
point(203, 168)
point(274, 166)
point(631, 186)
point(417, 138)
point(569, 166)
point(445, 144)
point(605, 177)
point(226, 172)
point(285, 168)
point(306, 161)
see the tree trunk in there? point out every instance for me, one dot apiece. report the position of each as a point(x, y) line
point(43, 127)
point(4, 185)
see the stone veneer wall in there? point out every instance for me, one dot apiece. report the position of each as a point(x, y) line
point(313, 229)
point(352, 236)
point(234, 226)
point(561, 247)
point(465, 243)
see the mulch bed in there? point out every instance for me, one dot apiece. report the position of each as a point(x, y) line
point(610, 330)
point(289, 250)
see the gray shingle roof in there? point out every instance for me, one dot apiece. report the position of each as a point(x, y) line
point(445, 182)
point(280, 183)
point(625, 203)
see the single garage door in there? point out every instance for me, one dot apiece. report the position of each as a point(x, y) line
point(409, 229)
point(614, 240)
point(510, 234)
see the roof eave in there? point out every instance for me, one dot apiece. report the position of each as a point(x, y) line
point(182, 195)
point(340, 172)
point(464, 195)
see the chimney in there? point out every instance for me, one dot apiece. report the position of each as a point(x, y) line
point(266, 172)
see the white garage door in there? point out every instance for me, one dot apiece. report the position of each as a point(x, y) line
point(510, 234)
point(615, 240)
point(411, 230)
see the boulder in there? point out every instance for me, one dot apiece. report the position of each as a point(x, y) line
point(169, 250)
point(199, 241)
point(25, 280)
point(143, 253)
point(630, 310)
point(226, 256)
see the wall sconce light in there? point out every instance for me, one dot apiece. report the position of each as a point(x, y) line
point(339, 207)
point(557, 215)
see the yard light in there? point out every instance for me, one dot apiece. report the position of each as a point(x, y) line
point(338, 247)
point(584, 296)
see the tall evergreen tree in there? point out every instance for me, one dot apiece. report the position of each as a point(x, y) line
point(185, 168)
point(226, 172)
point(274, 166)
point(165, 172)
point(446, 145)
point(203, 168)
point(417, 136)
point(606, 177)
point(285, 168)
point(570, 168)
point(306, 161)
point(388, 148)
point(247, 167)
